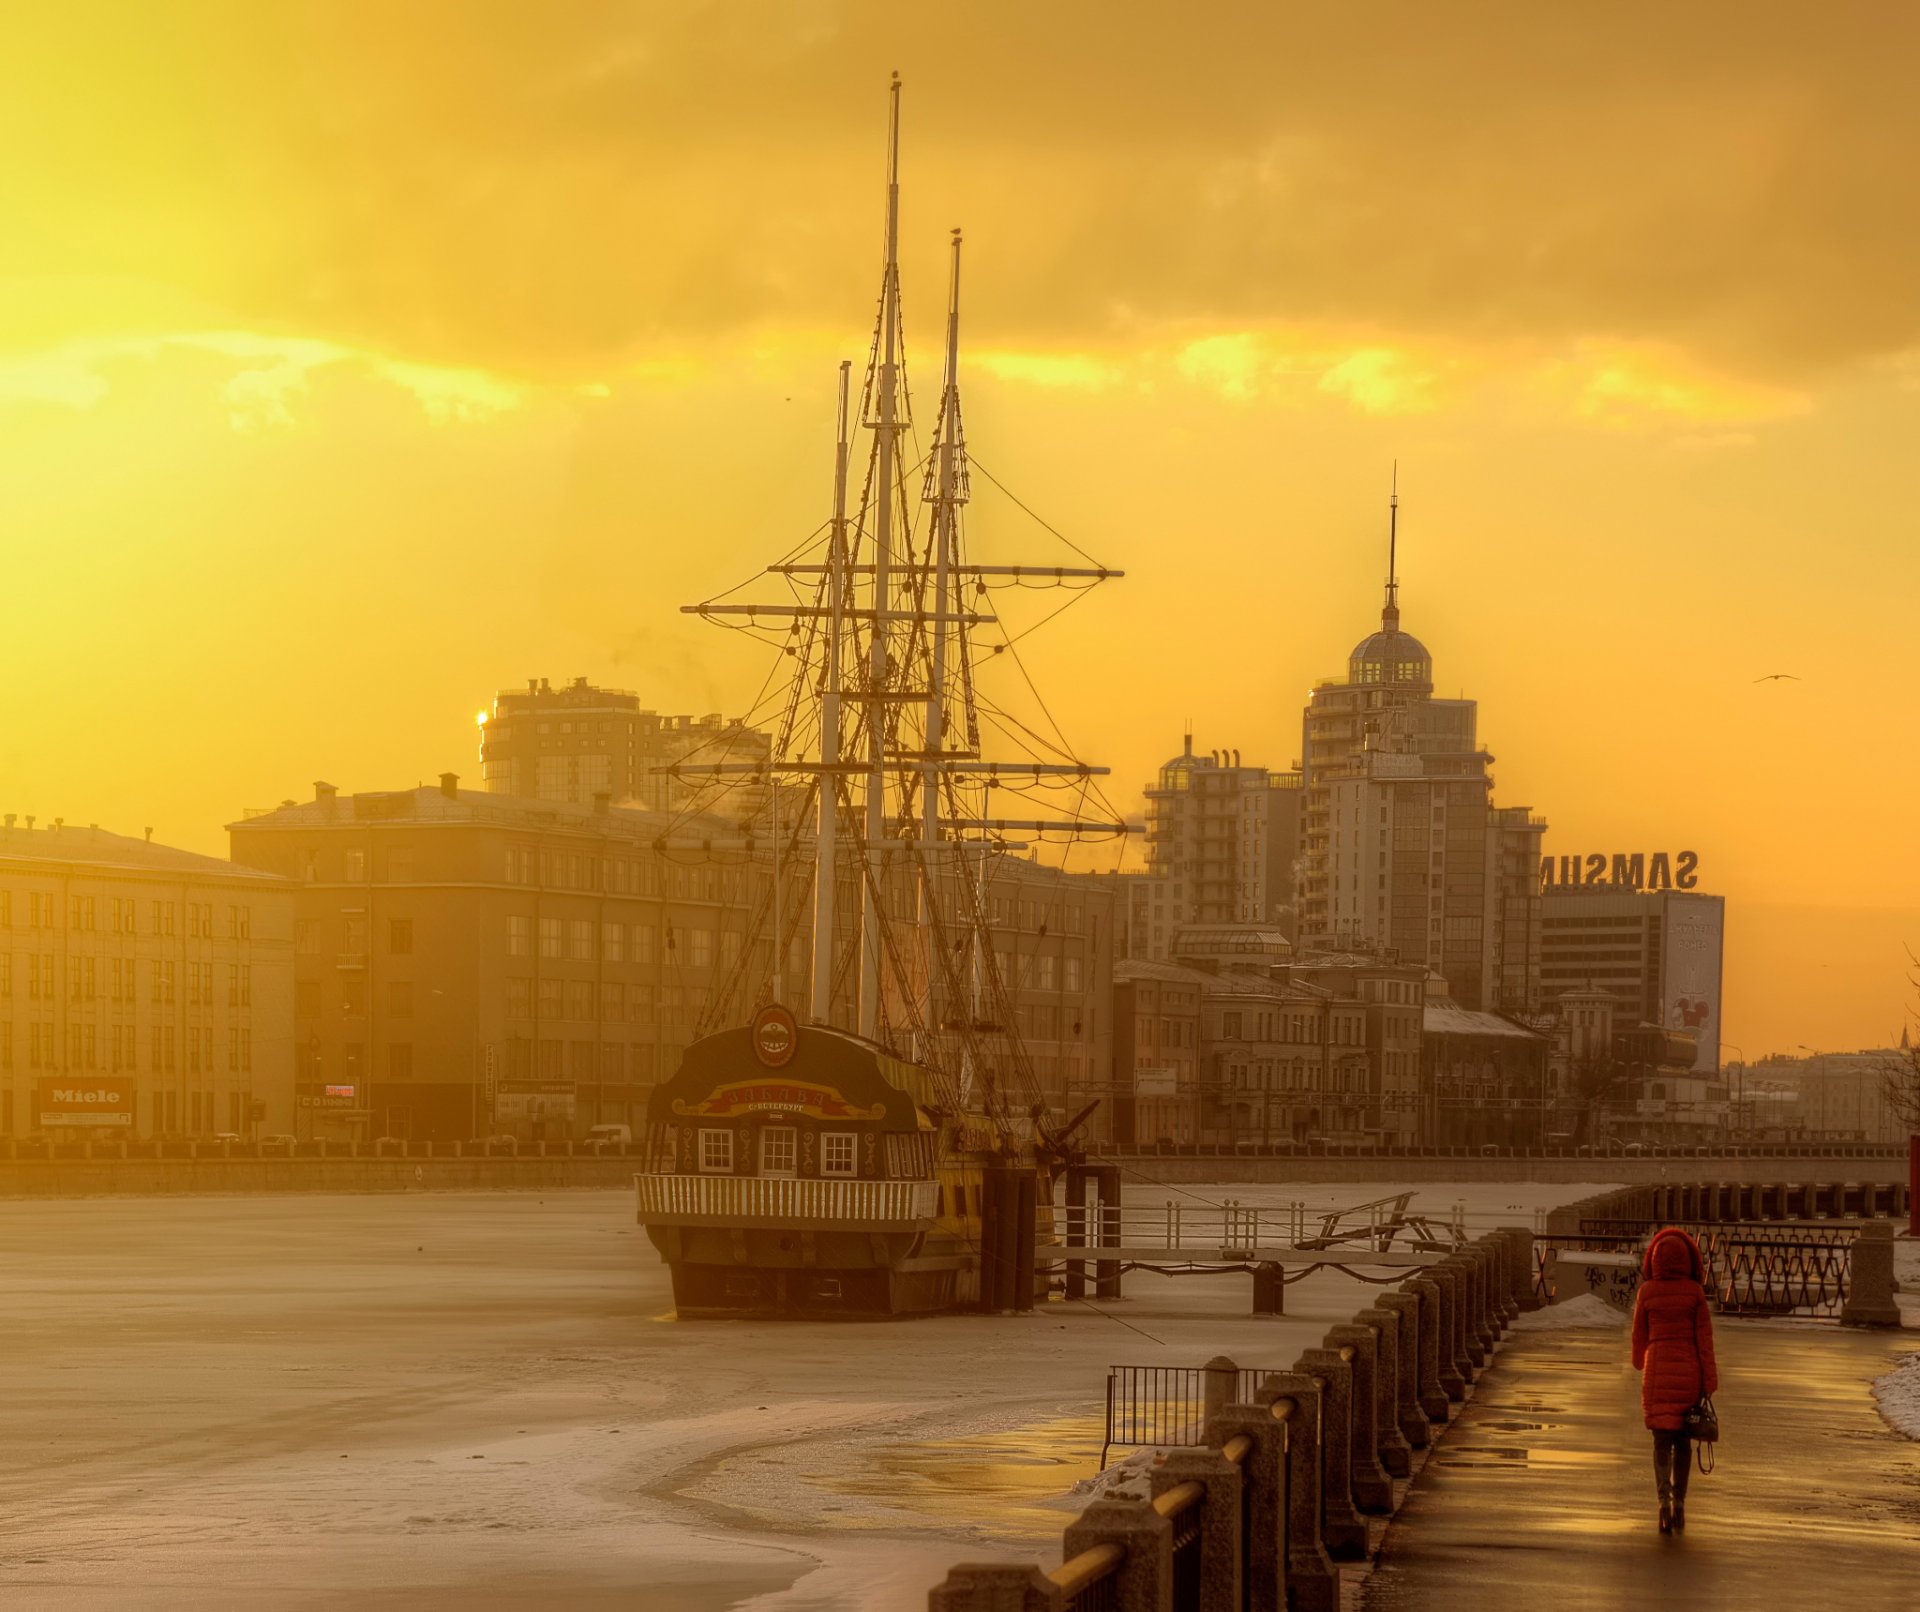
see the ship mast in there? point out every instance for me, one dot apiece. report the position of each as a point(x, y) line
point(896, 628)
point(949, 494)
point(827, 838)
point(887, 428)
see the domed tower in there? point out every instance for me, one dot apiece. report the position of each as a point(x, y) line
point(1391, 657)
point(1403, 854)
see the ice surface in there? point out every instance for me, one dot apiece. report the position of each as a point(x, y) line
point(481, 1400)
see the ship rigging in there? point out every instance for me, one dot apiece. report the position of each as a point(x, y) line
point(881, 794)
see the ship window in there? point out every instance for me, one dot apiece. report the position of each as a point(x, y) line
point(716, 1151)
point(776, 1150)
point(836, 1153)
point(909, 1155)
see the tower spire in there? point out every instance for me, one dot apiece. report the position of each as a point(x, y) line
point(1390, 616)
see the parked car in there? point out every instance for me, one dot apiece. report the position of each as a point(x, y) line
point(615, 1135)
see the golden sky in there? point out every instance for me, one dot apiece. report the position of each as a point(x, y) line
point(358, 359)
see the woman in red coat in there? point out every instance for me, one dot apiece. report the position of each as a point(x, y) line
point(1673, 1351)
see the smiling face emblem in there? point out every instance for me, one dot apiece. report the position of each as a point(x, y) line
point(775, 1036)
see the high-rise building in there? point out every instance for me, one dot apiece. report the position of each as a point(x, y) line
point(1656, 953)
point(578, 741)
point(1405, 854)
point(144, 991)
point(1222, 842)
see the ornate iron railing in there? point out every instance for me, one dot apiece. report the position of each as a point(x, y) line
point(1752, 1268)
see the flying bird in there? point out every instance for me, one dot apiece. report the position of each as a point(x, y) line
point(1774, 677)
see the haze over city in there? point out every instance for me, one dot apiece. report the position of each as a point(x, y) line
point(822, 807)
point(338, 389)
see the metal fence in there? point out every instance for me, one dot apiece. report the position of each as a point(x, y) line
point(1753, 1268)
point(1154, 1407)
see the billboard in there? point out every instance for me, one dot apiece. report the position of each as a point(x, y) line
point(1155, 1081)
point(84, 1100)
point(1690, 974)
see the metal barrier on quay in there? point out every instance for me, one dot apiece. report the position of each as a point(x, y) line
point(1820, 1250)
point(1293, 1470)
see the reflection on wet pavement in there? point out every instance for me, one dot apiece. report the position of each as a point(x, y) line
point(1018, 1473)
point(1542, 1494)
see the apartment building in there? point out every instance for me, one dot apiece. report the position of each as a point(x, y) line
point(144, 991)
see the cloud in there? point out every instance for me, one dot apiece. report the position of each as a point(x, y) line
point(262, 379)
point(551, 194)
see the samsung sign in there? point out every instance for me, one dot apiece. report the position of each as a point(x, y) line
point(1636, 870)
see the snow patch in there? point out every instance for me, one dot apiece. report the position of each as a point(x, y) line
point(1587, 1311)
point(1123, 1480)
point(1898, 1395)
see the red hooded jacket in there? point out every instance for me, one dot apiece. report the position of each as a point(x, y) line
point(1672, 1331)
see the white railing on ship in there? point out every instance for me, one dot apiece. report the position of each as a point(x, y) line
point(749, 1197)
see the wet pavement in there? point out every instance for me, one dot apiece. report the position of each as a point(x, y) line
point(1541, 1495)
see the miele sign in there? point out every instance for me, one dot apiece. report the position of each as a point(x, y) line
point(76, 1102)
point(1622, 870)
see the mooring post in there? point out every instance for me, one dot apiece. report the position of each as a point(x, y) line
point(1077, 1227)
point(1144, 1582)
point(1107, 1271)
point(1026, 1221)
point(1221, 1510)
point(1219, 1387)
point(1372, 1483)
point(1263, 1493)
point(995, 1587)
point(1408, 1416)
point(1341, 1526)
point(1312, 1582)
point(1433, 1393)
point(1870, 1300)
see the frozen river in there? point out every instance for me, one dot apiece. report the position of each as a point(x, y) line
point(483, 1400)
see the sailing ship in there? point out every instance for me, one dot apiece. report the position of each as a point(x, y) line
point(873, 1141)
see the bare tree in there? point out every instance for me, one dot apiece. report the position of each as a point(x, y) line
point(1900, 1073)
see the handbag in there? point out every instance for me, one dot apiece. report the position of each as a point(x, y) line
point(1703, 1422)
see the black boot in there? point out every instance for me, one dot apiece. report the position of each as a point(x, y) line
point(1679, 1515)
point(1666, 1516)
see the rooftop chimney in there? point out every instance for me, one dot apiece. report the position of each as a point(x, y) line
point(533, 685)
point(149, 836)
point(29, 822)
point(10, 816)
point(450, 785)
point(602, 800)
point(324, 791)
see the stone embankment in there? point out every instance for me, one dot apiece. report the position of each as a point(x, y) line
point(1296, 1481)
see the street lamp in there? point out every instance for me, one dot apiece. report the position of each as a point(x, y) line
point(1742, 1121)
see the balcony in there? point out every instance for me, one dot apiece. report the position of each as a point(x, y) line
point(783, 1201)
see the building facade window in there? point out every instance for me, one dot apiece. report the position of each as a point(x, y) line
point(716, 1152)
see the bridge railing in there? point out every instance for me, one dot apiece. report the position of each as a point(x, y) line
point(1876, 1151)
point(1294, 1473)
